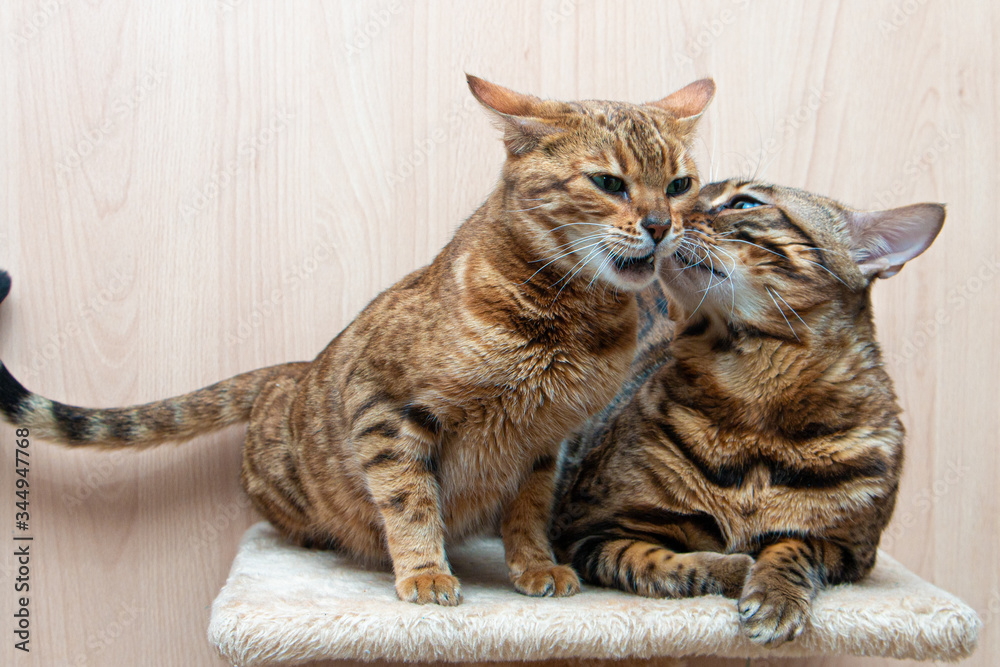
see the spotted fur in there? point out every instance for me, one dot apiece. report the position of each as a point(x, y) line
point(438, 412)
point(756, 448)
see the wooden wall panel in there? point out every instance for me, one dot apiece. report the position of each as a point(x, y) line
point(191, 189)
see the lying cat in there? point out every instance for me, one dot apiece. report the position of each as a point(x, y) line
point(439, 411)
point(757, 452)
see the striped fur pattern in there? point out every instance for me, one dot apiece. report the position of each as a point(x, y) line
point(438, 412)
point(756, 448)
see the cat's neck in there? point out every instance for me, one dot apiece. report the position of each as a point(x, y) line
point(783, 379)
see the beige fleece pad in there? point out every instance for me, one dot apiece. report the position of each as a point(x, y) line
point(286, 605)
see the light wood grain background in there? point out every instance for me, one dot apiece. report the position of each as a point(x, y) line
point(194, 188)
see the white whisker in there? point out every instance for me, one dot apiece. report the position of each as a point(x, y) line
point(809, 261)
point(569, 244)
point(790, 327)
point(597, 247)
point(611, 256)
point(760, 153)
point(705, 295)
point(775, 292)
point(696, 246)
point(522, 210)
point(565, 254)
point(715, 144)
point(729, 277)
point(829, 250)
point(569, 276)
point(571, 224)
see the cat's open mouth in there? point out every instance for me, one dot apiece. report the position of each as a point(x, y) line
point(634, 265)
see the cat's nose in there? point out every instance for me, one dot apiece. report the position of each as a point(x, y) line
point(656, 226)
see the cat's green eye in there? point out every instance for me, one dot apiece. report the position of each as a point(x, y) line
point(609, 183)
point(742, 202)
point(678, 186)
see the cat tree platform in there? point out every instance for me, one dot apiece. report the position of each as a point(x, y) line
point(283, 605)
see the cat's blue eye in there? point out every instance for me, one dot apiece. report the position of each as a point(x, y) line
point(609, 183)
point(743, 202)
point(679, 186)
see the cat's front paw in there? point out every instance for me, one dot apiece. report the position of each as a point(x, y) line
point(442, 589)
point(772, 615)
point(549, 581)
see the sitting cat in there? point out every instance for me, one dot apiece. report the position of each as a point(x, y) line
point(438, 412)
point(757, 452)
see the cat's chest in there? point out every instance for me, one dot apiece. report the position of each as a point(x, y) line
point(761, 504)
point(553, 381)
point(505, 431)
point(534, 406)
point(564, 371)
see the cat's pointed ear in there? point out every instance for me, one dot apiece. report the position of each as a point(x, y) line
point(520, 116)
point(883, 241)
point(689, 103)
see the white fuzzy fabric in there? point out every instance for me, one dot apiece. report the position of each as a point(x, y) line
point(288, 605)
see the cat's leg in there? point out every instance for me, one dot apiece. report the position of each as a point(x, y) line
point(402, 483)
point(775, 603)
point(646, 568)
point(533, 569)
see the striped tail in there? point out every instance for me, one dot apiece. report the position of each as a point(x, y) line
point(173, 419)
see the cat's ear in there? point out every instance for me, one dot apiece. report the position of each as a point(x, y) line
point(687, 104)
point(520, 116)
point(883, 241)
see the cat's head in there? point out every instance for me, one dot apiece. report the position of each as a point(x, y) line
point(768, 258)
point(603, 186)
